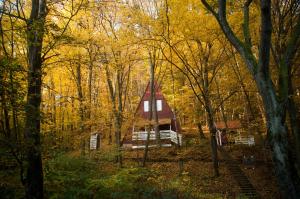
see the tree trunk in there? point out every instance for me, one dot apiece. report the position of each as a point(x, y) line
point(151, 107)
point(294, 123)
point(72, 114)
point(81, 108)
point(275, 110)
point(243, 87)
point(213, 141)
point(261, 109)
point(89, 114)
point(287, 179)
point(80, 95)
point(154, 103)
point(117, 112)
point(210, 117)
point(110, 136)
point(61, 104)
point(53, 99)
point(119, 115)
point(146, 146)
point(5, 121)
point(200, 130)
point(118, 136)
point(35, 33)
point(224, 118)
point(14, 107)
point(277, 131)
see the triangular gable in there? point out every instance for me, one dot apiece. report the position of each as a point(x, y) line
point(166, 111)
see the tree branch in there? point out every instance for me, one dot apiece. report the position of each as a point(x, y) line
point(292, 44)
point(233, 39)
point(265, 38)
point(246, 31)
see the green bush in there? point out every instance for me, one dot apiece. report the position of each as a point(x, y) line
point(79, 177)
point(126, 184)
point(66, 177)
point(6, 192)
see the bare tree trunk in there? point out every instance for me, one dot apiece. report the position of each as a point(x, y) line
point(80, 95)
point(199, 124)
point(261, 109)
point(35, 33)
point(2, 130)
point(90, 78)
point(213, 131)
point(61, 103)
point(14, 107)
point(200, 130)
point(285, 48)
point(274, 108)
point(277, 131)
point(222, 104)
point(294, 123)
point(243, 87)
point(6, 116)
point(53, 111)
point(151, 107)
point(110, 136)
point(117, 111)
point(210, 115)
point(250, 111)
point(154, 103)
point(72, 114)
point(81, 105)
point(5, 121)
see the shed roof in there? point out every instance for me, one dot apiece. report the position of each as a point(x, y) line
point(233, 124)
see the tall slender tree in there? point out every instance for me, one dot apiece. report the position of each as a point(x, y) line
point(274, 103)
point(35, 34)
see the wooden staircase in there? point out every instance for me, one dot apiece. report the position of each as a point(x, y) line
point(247, 189)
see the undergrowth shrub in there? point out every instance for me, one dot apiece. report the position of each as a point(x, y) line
point(66, 177)
point(126, 184)
point(80, 177)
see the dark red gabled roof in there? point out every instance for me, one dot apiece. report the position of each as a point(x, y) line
point(165, 116)
point(166, 111)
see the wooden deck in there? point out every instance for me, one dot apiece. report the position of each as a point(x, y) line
point(165, 135)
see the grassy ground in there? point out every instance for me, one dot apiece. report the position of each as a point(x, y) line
point(96, 175)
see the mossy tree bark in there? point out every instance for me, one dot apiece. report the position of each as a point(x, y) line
point(274, 105)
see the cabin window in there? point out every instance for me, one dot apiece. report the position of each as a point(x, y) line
point(159, 105)
point(146, 106)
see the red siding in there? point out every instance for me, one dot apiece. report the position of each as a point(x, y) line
point(166, 110)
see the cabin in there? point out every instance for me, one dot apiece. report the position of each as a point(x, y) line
point(225, 131)
point(232, 126)
point(169, 127)
point(231, 134)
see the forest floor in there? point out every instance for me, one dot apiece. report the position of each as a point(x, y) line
point(169, 173)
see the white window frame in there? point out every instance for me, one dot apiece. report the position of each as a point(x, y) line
point(159, 105)
point(146, 106)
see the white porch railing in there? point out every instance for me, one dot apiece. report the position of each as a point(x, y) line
point(247, 140)
point(164, 135)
